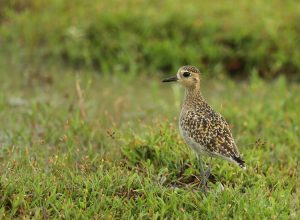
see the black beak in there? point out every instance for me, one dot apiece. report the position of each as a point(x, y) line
point(171, 79)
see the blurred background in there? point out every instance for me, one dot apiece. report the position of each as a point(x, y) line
point(137, 37)
point(119, 51)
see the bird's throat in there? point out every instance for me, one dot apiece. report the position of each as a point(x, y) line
point(193, 95)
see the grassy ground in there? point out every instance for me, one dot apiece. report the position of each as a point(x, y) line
point(115, 151)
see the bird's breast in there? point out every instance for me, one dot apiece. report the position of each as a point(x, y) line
point(186, 133)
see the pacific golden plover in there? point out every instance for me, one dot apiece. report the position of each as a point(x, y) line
point(203, 129)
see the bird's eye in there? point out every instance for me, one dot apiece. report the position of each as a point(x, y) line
point(186, 74)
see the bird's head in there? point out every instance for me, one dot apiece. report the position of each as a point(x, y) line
point(188, 76)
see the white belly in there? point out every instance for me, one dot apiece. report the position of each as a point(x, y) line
point(196, 147)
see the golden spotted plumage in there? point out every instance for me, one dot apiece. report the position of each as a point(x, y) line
point(203, 129)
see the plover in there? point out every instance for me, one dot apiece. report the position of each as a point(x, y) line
point(203, 129)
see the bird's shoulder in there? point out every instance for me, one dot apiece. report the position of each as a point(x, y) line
point(204, 114)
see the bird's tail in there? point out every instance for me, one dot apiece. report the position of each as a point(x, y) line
point(240, 162)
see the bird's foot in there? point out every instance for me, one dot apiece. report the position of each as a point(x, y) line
point(203, 187)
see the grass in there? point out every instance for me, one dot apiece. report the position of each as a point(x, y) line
point(76, 143)
point(116, 151)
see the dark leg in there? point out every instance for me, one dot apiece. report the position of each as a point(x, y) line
point(204, 174)
point(207, 172)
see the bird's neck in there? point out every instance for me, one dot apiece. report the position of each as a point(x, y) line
point(193, 96)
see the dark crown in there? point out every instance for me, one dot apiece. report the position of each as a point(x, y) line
point(190, 69)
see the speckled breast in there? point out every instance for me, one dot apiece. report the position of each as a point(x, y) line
point(185, 133)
